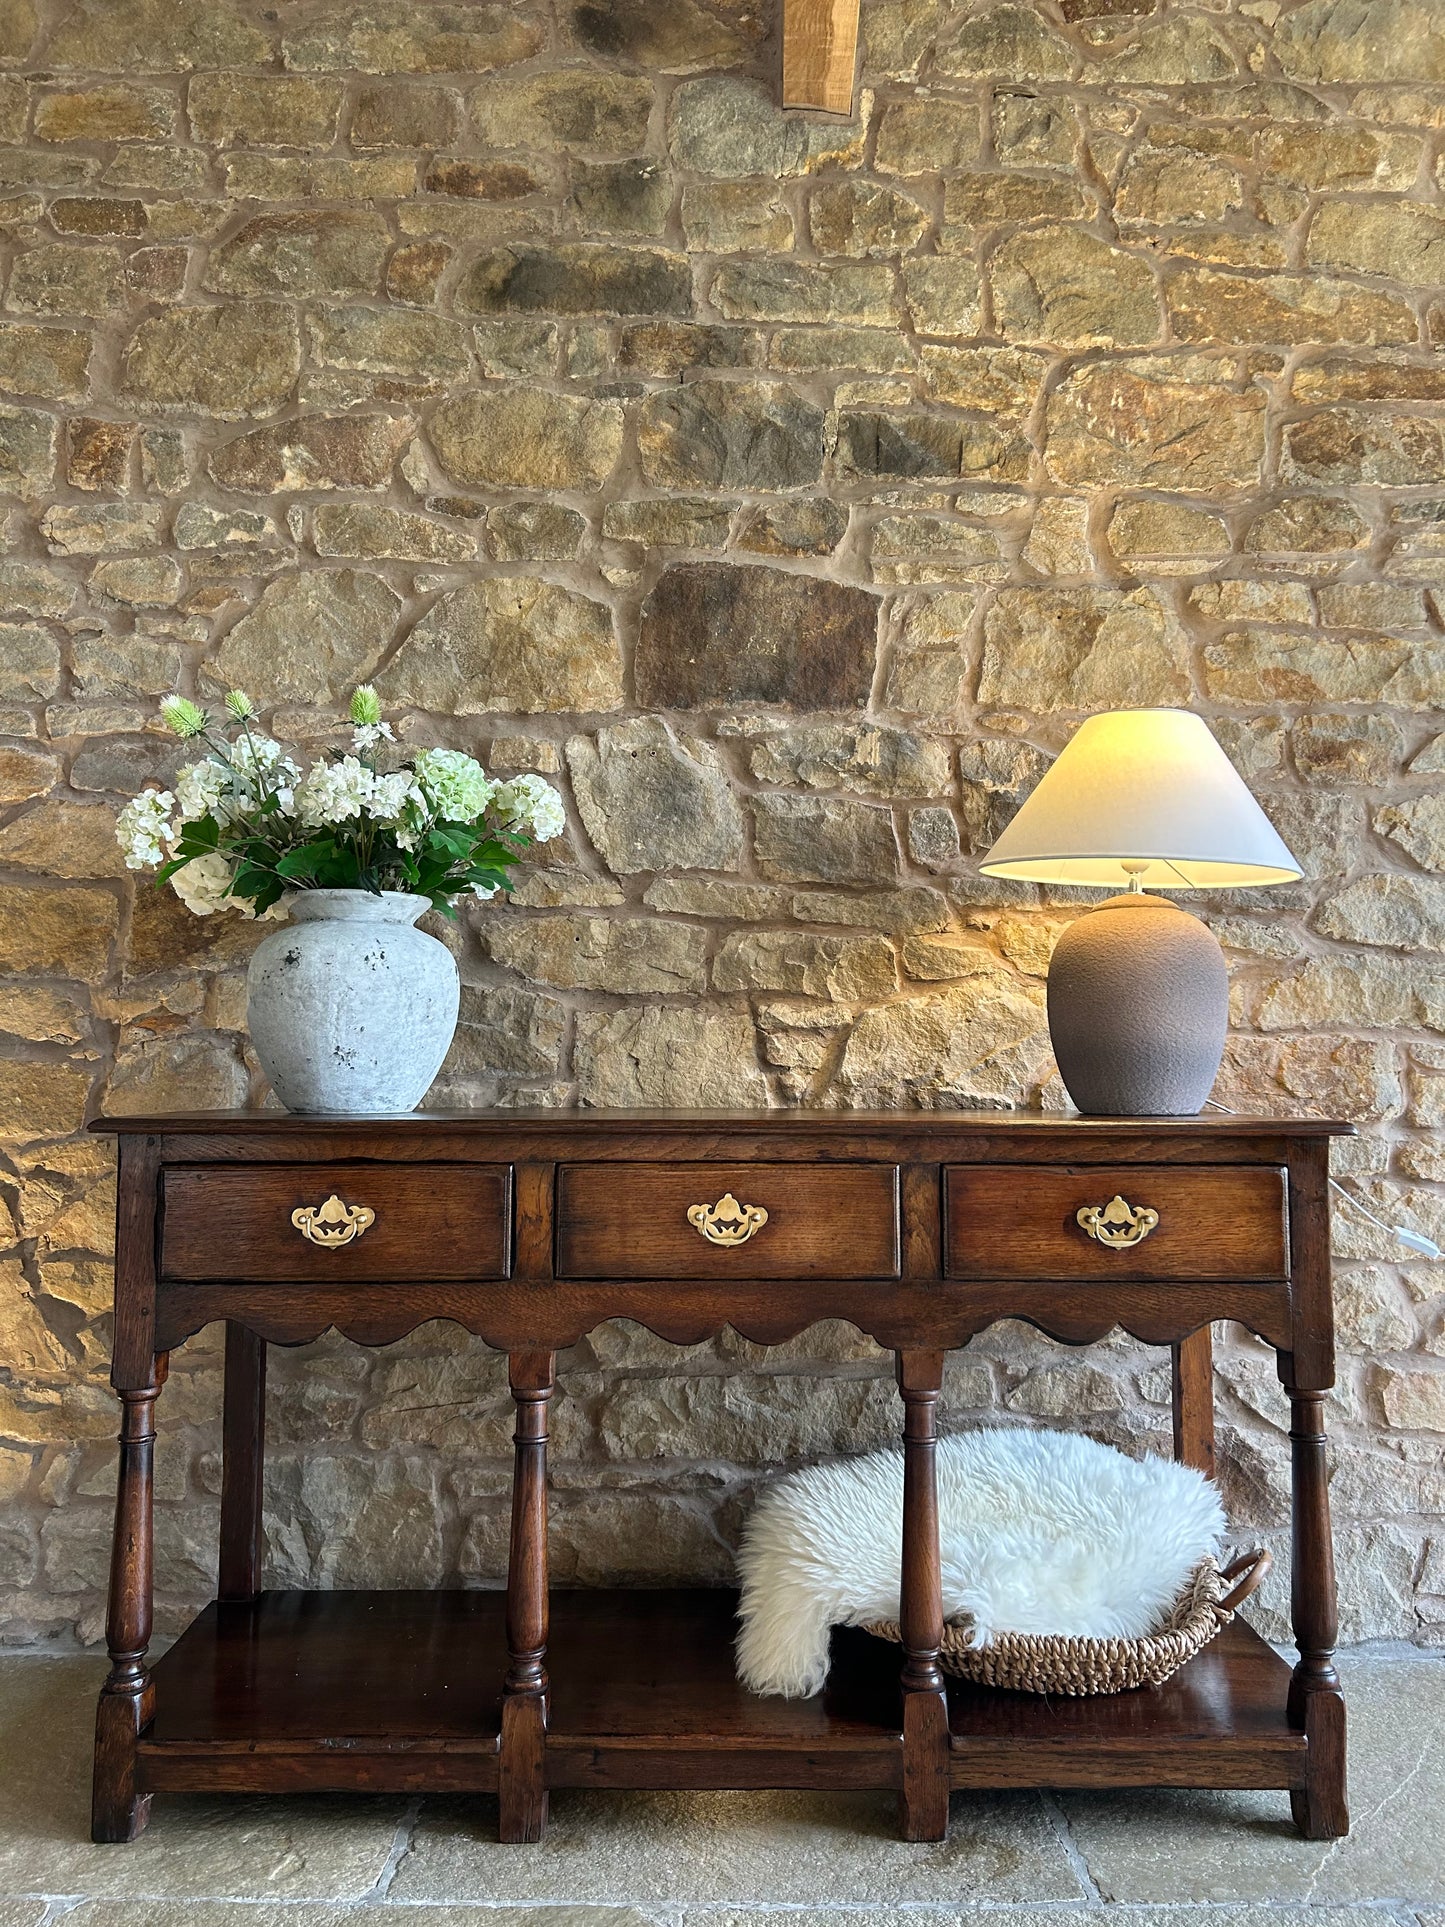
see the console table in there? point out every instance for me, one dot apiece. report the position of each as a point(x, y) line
point(530, 1228)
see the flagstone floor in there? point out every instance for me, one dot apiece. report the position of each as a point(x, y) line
point(729, 1860)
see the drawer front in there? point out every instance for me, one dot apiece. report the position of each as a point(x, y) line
point(1208, 1222)
point(701, 1221)
point(390, 1223)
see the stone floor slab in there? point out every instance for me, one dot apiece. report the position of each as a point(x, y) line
point(1241, 1846)
point(310, 1848)
point(301, 1913)
point(1251, 1914)
point(760, 1848)
point(727, 1860)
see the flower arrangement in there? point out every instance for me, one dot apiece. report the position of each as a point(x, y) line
point(245, 825)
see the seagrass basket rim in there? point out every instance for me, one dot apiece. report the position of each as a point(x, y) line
point(1066, 1663)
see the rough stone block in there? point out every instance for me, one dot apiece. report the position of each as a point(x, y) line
point(394, 37)
point(507, 644)
point(841, 969)
point(653, 800)
point(401, 113)
point(520, 436)
point(662, 1054)
point(782, 290)
point(577, 277)
point(64, 279)
point(927, 136)
point(1259, 666)
point(1401, 239)
point(372, 532)
point(1082, 649)
point(254, 110)
point(162, 36)
point(581, 109)
point(117, 112)
point(807, 839)
point(662, 36)
point(980, 1042)
point(331, 253)
point(314, 452)
point(862, 757)
point(1165, 423)
point(1206, 306)
point(730, 434)
point(735, 217)
point(226, 360)
point(618, 954)
point(860, 218)
point(733, 129)
point(310, 637)
point(27, 451)
point(1066, 286)
point(49, 362)
point(712, 633)
point(1012, 42)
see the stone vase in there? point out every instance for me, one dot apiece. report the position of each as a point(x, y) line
point(351, 1010)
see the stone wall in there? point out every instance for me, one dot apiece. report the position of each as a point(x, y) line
point(786, 490)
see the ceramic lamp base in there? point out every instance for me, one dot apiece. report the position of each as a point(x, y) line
point(1138, 1009)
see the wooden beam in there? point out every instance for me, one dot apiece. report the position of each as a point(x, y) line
point(820, 46)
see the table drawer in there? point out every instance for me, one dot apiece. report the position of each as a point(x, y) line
point(701, 1221)
point(370, 1223)
point(1208, 1222)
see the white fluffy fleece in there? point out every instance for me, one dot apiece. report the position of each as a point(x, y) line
point(1041, 1532)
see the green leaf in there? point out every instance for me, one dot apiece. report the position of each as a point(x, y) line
point(297, 863)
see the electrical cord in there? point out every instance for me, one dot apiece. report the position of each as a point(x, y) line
point(1416, 1240)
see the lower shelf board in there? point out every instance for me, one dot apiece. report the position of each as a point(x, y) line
point(1220, 1721)
point(384, 1691)
point(401, 1691)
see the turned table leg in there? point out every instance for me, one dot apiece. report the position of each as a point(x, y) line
point(119, 1810)
point(1193, 1400)
point(523, 1765)
point(243, 1448)
point(1316, 1702)
point(924, 1806)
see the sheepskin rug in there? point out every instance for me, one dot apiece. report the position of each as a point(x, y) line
point(1041, 1532)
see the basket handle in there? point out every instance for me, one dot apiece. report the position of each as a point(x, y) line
point(1248, 1572)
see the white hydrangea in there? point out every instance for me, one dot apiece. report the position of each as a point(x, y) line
point(252, 752)
point(530, 805)
point(143, 829)
point(391, 794)
point(333, 793)
point(398, 804)
point(203, 789)
point(202, 884)
point(454, 784)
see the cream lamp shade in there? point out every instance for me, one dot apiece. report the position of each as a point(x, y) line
point(1142, 789)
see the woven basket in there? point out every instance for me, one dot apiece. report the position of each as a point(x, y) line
point(1057, 1663)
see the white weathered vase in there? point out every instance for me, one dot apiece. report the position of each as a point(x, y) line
point(350, 1009)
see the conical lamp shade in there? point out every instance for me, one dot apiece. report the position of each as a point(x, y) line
point(1142, 786)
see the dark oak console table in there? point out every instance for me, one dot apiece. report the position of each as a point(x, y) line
point(531, 1228)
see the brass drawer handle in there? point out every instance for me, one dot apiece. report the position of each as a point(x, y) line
point(333, 1224)
point(1117, 1224)
point(727, 1222)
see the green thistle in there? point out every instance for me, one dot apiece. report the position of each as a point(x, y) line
point(184, 717)
point(365, 706)
point(239, 705)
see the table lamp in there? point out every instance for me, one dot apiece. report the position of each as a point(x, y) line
point(1138, 993)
